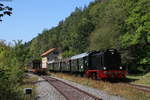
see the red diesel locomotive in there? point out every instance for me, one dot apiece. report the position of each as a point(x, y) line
point(105, 65)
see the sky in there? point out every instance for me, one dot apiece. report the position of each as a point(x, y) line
point(31, 17)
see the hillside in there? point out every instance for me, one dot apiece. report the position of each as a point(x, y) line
point(119, 24)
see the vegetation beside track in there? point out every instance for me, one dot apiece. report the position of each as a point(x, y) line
point(29, 82)
point(112, 88)
point(140, 79)
point(12, 60)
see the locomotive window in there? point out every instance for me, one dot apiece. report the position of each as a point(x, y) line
point(85, 61)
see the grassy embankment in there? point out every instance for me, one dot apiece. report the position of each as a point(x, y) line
point(29, 82)
point(114, 89)
point(140, 79)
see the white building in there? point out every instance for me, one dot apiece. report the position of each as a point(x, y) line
point(49, 56)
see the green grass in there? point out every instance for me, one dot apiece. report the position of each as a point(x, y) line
point(140, 79)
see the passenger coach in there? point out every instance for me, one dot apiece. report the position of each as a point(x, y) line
point(36, 67)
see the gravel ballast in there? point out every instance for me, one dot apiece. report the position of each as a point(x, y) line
point(47, 92)
point(98, 93)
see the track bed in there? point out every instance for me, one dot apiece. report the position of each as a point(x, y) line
point(70, 92)
point(139, 87)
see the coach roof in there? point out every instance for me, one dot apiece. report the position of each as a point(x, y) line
point(80, 56)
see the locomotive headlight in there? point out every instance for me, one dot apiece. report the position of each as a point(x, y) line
point(104, 68)
point(121, 67)
point(81, 67)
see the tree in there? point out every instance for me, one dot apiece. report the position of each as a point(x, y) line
point(4, 10)
point(10, 73)
point(137, 35)
point(138, 25)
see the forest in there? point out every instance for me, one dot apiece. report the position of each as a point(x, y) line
point(104, 24)
point(11, 70)
point(119, 24)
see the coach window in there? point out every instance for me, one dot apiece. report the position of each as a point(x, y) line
point(74, 63)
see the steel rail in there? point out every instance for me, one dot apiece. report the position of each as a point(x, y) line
point(139, 87)
point(54, 82)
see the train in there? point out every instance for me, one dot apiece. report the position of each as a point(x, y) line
point(36, 67)
point(95, 64)
point(104, 64)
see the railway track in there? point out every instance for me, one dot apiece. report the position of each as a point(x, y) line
point(70, 92)
point(138, 87)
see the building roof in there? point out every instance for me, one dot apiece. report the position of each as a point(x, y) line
point(47, 52)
